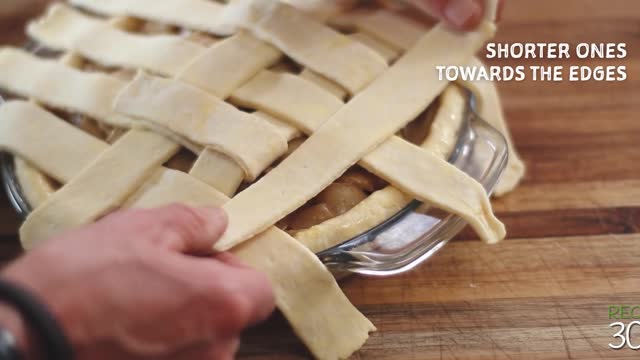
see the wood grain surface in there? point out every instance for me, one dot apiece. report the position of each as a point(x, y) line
point(574, 224)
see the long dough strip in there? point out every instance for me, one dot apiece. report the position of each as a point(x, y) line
point(37, 136)
point(313, 44)
point(490, 108)
point(90, 94)
point(359, 127)
point(139, 152)
point(402, 33)
point(194, 14)
point(64, 28)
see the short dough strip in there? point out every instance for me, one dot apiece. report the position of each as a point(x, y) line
point(43, 139)
point(91, 94)
point(64, 28)
point(204, 119)
point(218, 171)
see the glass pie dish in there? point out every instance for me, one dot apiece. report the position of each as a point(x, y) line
point(406, 239)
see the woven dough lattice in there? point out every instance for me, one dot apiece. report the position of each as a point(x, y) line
point(256, 106)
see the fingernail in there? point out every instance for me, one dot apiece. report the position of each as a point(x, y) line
point(462, 13)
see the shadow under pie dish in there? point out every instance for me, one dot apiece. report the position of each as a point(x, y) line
point(265, 110)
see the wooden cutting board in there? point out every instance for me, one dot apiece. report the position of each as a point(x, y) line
point(574, 224)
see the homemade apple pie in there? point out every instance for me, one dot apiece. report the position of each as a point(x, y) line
point(309, 126)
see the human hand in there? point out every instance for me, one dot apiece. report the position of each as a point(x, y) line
point(460, 14)
point(129, 287)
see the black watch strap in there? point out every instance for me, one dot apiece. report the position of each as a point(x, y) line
point(9, 346)
point(42, 324)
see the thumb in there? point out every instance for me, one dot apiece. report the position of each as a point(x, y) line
point(178, 228)
point(460, 14)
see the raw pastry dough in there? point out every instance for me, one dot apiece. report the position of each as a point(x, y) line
point(301, 283)
point(25, 127)
point(34, 185)
point(191, 14)
point(355, 130)
point(286, 97)
point(67, 29)
point(293, 281)
point(490, 109)
point(361, 131)
point(208, 121)
point(218, 171)
point(333, 55)
point(242, 52)
point(395, 30)
point(133, 157)
point(447, 188)
point(385, 203)
point(86, 93)
point(155, 98)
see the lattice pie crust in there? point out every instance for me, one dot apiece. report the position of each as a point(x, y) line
point(276, 101)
